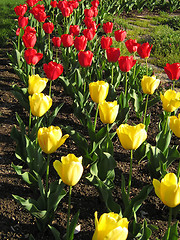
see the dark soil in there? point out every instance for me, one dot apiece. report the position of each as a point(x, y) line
point(16, 223)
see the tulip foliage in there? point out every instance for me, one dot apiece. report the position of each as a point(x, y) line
point(59, 44)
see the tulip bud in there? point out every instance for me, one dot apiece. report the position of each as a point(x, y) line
point(126, 63)
point(120, 35)
point(110, 226)
point(112, 54)
point(173, 71)
point(144, 50)
point(39, 104)
point(98, 91)
point(108, 111)
point(108, 27)
point(85, 58)
point(36, 84)
point(168, 190)
point(106, 42)
point(131, 45)
point(53, 70)
point(67, 40)
point(70, 169)
point(80, 43)
point(170, 100)
point(174, 124)
point(50, 139)
point(131, 137)
point(149, 84)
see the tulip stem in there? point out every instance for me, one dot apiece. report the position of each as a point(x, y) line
point(50, 86)
point(47, 173)
point(95, 119)
point(145, 110)
point(69, 208)
point(166, 123)
point(107, 136)
point(49, 41)
point(19, 39)
point(147, 66)
point(29, 121)
point(173, 85)
point(130, 172)
point(112, 75)
point(169, 222)
point(178, 171)
point(57, 55)
point(125, 91)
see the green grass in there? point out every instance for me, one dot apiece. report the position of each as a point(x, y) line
point(162, 31)
point(8, 19)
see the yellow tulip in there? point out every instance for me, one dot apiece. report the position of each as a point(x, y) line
point(108, 111)
point(131, 137)
point(36, 84)
point(174, 124)
point(70, 169)
point(50, 139)
point(168, 190)
point(98, 91)
point(170, 100)
point(149, 84)
point(39, 104)
point(110, 227)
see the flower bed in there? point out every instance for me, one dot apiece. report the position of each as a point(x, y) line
point(108, 94)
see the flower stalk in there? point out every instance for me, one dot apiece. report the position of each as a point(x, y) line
point(68, 216)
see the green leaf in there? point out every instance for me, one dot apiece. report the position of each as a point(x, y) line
point(146, 232)
point(22, 96)
point(125, 196)
point(55, 194)
point(54, 114)
point(105, 165)
point(137, 201)
point(73, 225)
point(35, 159)
point(29, 204)
point(173, 235)
point(163, 140)
point(26, 176)
point(55, 232)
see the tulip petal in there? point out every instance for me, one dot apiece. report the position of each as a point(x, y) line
point(118, 233)
point(157, 186)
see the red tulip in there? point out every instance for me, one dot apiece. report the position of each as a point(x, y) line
point(20, 10)
point(172, 70)
point(53, 4)
point(39, 7)
point(106, 42)
point(22, 21)
point(95, 3)
point(95, 10)
point(48, 27)
point(31, 3)
point(88, 12)
point(85, 58)
point(74, 30)
point(18, 31)
point(144, 50)
point(67, 40)
point(29, 39)
point(126, 63)
point(112, 54)
point(30, 29)
point(131, 45)
point(66, 11)
point(41, 16)
point(80, 43)
point(32, 57)
point(53, 70)
point(108, 27)
point(120, 35)
point(92, 24)
point(89, 33)
point(62, 4)
point(56, 41)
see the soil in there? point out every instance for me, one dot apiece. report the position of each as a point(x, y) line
point(16, 223)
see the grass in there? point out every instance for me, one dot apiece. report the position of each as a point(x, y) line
point(7, 19)
point(160, 30)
